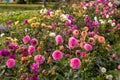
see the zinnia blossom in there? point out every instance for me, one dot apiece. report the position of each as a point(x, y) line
point(59, 39)
point(26, 39)
point(57, 55)
point(34, 41)
point(10, 63)
point(88, 47)
point(72, 42)
point(31, 49)
point(83, 54)
point(101, 39)
point(39, 59)
point(75, 63)
point(119, 66)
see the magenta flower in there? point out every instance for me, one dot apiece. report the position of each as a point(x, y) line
point(57, 55)
point(34, 41)
point(26, 39)
point(9, 22)
point(75, 63)
point(88, 47)
point(25, 21)
point(83, 54)
point(59, 39)
point(0, 53)
point(34, 78)
point(72, 42)
point(31, 49)
point(39, 59)
point(10, 63)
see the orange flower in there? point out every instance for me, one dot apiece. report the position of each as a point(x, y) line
point(101, 39)
point(84, 33)
point(33, 25)
point(96, 36)
point(85, 29)
point(24, 58)
point(61, 47)
point(75, 32)
point(49, 60)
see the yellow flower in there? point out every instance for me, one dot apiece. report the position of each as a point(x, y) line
point(30, 20)
point(34, 18)
point(16, 22)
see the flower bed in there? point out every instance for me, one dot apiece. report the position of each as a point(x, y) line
point(78, 42)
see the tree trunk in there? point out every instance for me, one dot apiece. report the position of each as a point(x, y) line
point(44, 3)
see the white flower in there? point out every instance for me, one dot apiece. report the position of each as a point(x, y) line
point(107, 16)
point(64, 16)
point(113, 24)
point(52, 34)
point(85, 8)
point(101, 21)
point(110, 4)
point(103, 70)
point(109, 77)
point(2, 34)
point(43, 11)
point(95, 18)
point(109, 21)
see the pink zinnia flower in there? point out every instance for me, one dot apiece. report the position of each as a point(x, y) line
point(59, 39)
point(31, 49)
point(39, 58)
point(83, 54)
point(26, 39)
point(88, 47)
point(10, 63)
point(119, 66)
point(34, 41)
point(75, 63)
point(57, 55)
point(72, 43)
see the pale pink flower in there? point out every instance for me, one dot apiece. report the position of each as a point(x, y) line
point(39, 59)
point(10, 63)
point(57, 55)
point(75, 63)
point(119, 66)
point(59, 39)
point(83, 54)
point(88, 47)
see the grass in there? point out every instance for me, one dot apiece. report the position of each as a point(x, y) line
point(8, 7)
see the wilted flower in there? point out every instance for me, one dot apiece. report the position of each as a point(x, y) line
point(57, 55)
point(31, 49)
point(5, 52)
point(39, 59)
point(26, 39)
point(75, 63)
point(10, 63)
point(59, 39)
